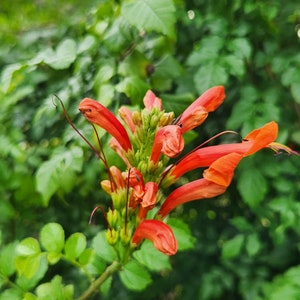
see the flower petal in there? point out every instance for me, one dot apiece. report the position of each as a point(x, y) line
point(204, 157)
point(98, 114)
point(169, 141)
point(216, 179)
point(197, 112)
point(159, 233)
point(151, 101)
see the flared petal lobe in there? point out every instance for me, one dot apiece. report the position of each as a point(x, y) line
point(159, 233)
point(150, 101)
point(169, 141)
point(204, 157)
point(98, 114)
point(198, 111)
point(215, 182)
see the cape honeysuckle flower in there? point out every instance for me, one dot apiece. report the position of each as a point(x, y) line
point(150, 101)
point(169, 141)
point(159, 233)
point(198, 111)
point(203, 157)
point(98, 114)
point(154, 137)
point(215, 181)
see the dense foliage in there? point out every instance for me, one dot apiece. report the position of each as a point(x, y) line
point(246, 243)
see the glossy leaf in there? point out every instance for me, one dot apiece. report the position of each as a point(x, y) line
point(232, 248)
point(102, 248)
point(52, 237)
point(151, 15)
point(151, 258)
point(75, 245)
point(134, 276)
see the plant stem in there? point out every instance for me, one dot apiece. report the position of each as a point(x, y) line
point(94, 286)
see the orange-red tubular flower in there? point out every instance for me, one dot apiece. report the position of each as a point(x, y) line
point(204, 157)
point(215, 181)
point(151, 101)
point(169, 141)
point(198, 111)
point(126, 115)
point(159, 233)
point(98, 114)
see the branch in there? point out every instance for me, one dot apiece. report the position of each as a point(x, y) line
point(115, 266)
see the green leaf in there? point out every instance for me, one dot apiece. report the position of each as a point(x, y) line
point(7, 257)
point(29, 278)
point(234, 65)
point(134, 276)
point(182, 233)
point(232, 248)
point(295, 90)
point(86, 256)
point(11, 294)
point(151, 258)
point(55, 290)
point(64, 55)
point(151, 15)
point(29, 266)
point(252, 186)
point(241, 48)
point(134, 88)
point(253, 244)
point(52, 237)
point(102, 248)
point(28, 247)
point(210, 75)
point(75, 245)
point(58, 172)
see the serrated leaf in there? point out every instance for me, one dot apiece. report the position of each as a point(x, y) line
point(134, 276)
point(210, 75)
point(52, 237)
point(28, 247)
point(151, 258)
point(151, 15)
point(241, 47)
point(58, 172)
point(134, 88)
point(64, 55)
point(252, 186)
point(75, 245)
point(182, 233)
point(102, 248)
point(232, 248)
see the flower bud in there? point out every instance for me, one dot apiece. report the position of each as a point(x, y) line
point(112, 236)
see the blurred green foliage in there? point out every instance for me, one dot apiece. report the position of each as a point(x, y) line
point(247, 241)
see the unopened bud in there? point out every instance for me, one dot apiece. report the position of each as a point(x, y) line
point(136, 118)
point(153, 121)
point(112, 236)
point(166, 119)
point(113, 217)
point(125, 235)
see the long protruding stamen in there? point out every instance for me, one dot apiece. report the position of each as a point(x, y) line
point(103, 213)
point(74, 127)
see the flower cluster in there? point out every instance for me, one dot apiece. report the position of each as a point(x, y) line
point(153, 136)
